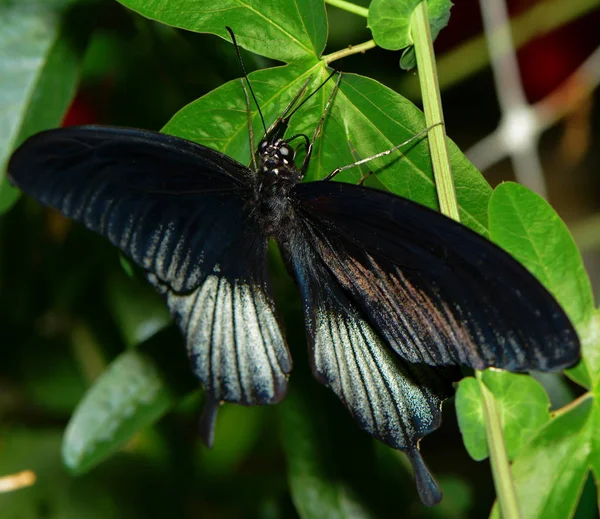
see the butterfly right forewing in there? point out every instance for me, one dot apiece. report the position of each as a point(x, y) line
point(182, 212)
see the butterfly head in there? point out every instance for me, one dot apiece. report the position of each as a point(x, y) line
point(276, 163)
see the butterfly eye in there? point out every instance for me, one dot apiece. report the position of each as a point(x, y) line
point(285, 153)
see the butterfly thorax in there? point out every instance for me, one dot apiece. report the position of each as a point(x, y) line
point(276, 177)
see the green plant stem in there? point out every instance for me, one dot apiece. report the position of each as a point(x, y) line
point(432, 105)
point(349, 6)
point(503, 481)
point(472, 56)
point(572, 405)
point(354, 49)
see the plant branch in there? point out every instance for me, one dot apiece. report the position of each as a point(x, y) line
point(349, 6)
point(503, 481)
point(432, 106)
point(572, 405)
point(354, 49)
point(447, 197)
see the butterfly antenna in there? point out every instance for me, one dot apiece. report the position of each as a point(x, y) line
point(382, 154)
point(250, 128)
point(237, 51)
point(319, 127)
point(278, 128)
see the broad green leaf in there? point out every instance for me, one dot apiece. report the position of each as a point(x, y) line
point(471, 420)
point(521, 401)
point(551, 470)
point(366, 118)
point(137, 388)
point(129, 395)
point(389, 21)
point(376, 118)
point(587, 372)
point(38, 74)
point(523, 405)
point(524, 224)
point(287, 31)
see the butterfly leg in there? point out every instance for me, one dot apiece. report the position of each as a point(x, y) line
point(319, 127)
point(364, 177)
point(381, 154)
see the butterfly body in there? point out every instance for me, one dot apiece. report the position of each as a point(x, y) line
point(275, 179)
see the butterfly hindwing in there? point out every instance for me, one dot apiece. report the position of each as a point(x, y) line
point(392, 399)
point(183, 213)
point(435, 291)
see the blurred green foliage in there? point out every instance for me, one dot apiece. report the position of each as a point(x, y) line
point(71, 318)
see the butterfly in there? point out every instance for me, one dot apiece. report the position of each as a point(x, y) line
point(396, 296)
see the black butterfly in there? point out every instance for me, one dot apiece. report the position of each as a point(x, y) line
point(396, 296)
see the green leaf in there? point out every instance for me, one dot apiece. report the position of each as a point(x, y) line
point(439, 15)
point(522, 403)
point(550, 472)
point(366, 118)
point(587, 372)
point(525, 225)
point(129, 395)
point(389, 21)
point(286, 31)
point(471, 420)
point(38, 73)
point(137, 388)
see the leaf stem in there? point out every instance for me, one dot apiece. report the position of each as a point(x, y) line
point(353, 49)
point(432, 106)
point(503, 481)
point(349, 6)
point(571, 405)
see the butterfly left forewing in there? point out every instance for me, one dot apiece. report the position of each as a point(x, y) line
point(183, 213)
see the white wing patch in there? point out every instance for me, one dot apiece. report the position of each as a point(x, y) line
point(233, 340)
point(353, 361)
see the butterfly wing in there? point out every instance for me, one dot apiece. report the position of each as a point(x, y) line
point(181, 211)
point(435, 291)
point(394, 400)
